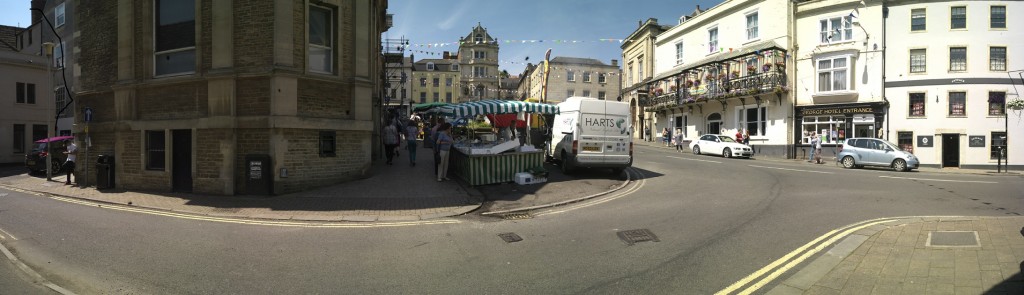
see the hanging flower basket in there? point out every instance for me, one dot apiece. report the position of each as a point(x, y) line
point(721, 76)
point(766, 67)
point(1016, 104)
point(696, 83)
point(658, 91)
point(781, 66)
point(710, 77)
point(751, 69)
point(689, 83)
point(735, 74)
point(672, 88)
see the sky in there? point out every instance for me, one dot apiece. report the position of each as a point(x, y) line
point(585, 21)
point(445, 21)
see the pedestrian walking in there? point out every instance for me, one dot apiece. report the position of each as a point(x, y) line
point(665, 136)
point(444, 145)
point(739, 136)
point(647, 134)
point(746, 137)
point(391, 140)
point(817, 152)
point(71, 150)
point(411, 132)
point(679, 139)
point(814, 145)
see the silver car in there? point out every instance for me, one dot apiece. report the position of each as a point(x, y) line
point(859, 152)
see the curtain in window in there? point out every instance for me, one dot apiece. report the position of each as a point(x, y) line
point(839, 79)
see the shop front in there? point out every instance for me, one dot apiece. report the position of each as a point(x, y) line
point(835, 123)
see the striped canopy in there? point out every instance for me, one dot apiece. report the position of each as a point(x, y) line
point(485, 107)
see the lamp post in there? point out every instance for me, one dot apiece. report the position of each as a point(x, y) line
point(48, 50)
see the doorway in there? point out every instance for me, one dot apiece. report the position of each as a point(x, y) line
point(951, 150)
point(181, 160)
point(714, 124)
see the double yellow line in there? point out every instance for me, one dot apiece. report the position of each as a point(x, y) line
point(801, 254)
point(635, 187)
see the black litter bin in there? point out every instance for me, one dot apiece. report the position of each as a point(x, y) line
point(105, 172)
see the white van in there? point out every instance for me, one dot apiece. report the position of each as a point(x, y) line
point(592, 133)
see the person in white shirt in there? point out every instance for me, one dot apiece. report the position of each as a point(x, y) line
point(69, 165)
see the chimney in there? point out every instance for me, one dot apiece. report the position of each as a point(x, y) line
point(447, 55)
point(36, 15)
point(615, 63)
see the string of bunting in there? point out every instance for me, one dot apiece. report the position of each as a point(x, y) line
point(510, 41)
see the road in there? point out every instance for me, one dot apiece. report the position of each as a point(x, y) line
point(716, 220)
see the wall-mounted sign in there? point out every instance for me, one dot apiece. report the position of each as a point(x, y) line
point(976, 141)
point(926, 141)
point(836, 111)
point(957, 81)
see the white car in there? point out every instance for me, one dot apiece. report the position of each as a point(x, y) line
point(720, 145)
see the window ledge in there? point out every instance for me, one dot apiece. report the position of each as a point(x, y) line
point(836, 93)
point(917, 117)
point(957, 116)
point(995, 116)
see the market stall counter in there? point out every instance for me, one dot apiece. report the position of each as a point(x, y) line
point(487, 158)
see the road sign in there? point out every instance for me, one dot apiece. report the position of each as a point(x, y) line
point(88, 114)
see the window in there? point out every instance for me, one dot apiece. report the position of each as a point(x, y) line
point(155, 150)
point(19, 139)
point(436, 82)
point(752, 26)
point(58, 55)
point(679, 52)
point(176, 37)
point(957, 59)
point(601, 95)
point(570, 93)
point(26, 93)
point(586, 77)
point(918, 60)
point(832, 74)
point(61, 99)
point(997, 18)
point(753, 119)
point(629, 79)
point(586, 93)
point(455, 67)
point(997, 144)
point(321, 39)
point(59, 15)
point(958, 17)
point(478, 38)
point(997, 58)
point(327, 143)
point(601, 78)
point(917, 20)
point(479, 72)
point(570, 76)
point(640, 70)
point(479, 54)
point(996, 103)
point(713, 40)
point(905, 140)
point(714, 125)
point(448, 97)
point(917, 105)
point(437, 96)
point(423, 97)
point(423, 82)
point(19, 89)
point(447, 81)
point(837, 29)
point(430, 66)
point(957, 103)
point(825, 125)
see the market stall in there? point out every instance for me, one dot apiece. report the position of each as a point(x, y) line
point(486, 157)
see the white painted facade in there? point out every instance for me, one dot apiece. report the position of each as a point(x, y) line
point(937, 85)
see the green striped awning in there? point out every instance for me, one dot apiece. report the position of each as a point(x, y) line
point(484, 107)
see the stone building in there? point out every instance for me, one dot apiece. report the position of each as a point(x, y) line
point(183, 92)
point(574, 76)
point(25, 110)
point(478, 55)
point(436, 80)
point(638, 59)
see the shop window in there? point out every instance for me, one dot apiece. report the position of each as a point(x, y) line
point(918, 60)
point(997, 58)
point(175, 39)
point(831, 129)
point(753, 119)
point(18, 141)
point(327, 143)
point(997, 144)
point(905, 140)
point(321, 39)
point(155, 150)
point(958, 17)
point(958, 104)
point(957, 59)
point(996, 103)
point(997, 18)
point(917, 20)
point(917, 105)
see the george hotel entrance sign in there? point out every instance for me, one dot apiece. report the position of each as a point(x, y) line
point(836, 111)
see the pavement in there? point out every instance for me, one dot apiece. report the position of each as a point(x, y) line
point(398, 192)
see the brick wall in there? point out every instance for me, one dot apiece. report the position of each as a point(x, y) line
point(299, 34)
point(254, 34)
point(306, 169)
point(322, 99)
point(206, 35)
point(248, 141)
point(179, 101)
point(209, 159)
point(98, 58)
point(130, 166)
point(252, 96)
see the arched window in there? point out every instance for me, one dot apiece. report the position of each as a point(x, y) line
point(714, 123)
point(478, 38)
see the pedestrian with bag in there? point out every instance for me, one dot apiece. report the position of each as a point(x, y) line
point(444, 145)
point(814, 145)
point(69, 165)
point(411, 132)
point(817, 152)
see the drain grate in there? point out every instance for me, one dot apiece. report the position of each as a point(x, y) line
point(952, 239)
point(515, 216)
point(510, 237)
point(634, 236)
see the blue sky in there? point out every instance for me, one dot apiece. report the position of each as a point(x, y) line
point(440, 21)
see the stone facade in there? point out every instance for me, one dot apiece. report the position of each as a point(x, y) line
point(478, 57)
point(602, 79)
point(257, 88)
point(444, 70)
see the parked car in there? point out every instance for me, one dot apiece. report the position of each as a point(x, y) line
point(720, 145)
point(859, 152)
point(36, 159)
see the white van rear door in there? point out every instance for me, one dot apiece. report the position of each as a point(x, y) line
point(604, 132)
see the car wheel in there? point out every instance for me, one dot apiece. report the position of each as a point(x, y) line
point(899, 165)
point(848, 162)
point(567, 165)
point(696, 150)
point(726, 153)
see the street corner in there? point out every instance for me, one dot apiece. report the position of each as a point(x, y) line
point(559, 189)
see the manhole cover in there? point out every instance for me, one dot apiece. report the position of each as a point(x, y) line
point(510, 237)
point(634, 236)
point(952, 239)
point(514, 216)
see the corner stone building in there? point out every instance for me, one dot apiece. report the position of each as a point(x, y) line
point(182, 92)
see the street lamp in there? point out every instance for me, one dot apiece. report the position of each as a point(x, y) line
point(48, 51)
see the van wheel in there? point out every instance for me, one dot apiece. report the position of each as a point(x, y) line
point(848, 162)
point(696, 150)
point(899, 165)
point(726, 153)
point(567, 164)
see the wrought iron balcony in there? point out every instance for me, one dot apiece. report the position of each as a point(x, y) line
point(718, 88)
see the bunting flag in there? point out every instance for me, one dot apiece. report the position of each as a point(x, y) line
point(520, 41)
